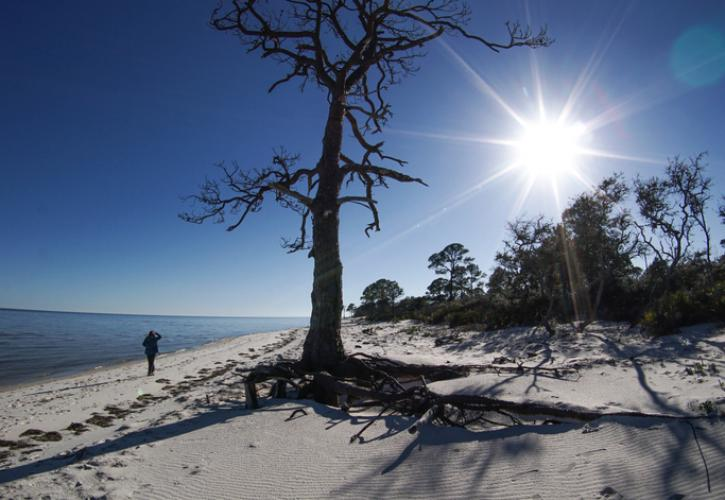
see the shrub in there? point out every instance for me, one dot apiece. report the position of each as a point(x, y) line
point(685, 307)
point(464, 317)
point(665, 316)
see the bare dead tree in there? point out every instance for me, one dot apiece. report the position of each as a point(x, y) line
point(354, 50)
point(673, 208)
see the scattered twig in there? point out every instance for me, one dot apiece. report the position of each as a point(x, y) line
point(359, 434)
point(295, 412)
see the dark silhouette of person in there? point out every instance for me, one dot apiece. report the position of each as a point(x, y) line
point(151, 343)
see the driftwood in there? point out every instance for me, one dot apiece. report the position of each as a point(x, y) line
point(362, 381)
point(429, 415)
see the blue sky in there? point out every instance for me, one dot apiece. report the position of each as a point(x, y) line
point(113, 111)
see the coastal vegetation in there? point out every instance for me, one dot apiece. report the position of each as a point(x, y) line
point(639, 252)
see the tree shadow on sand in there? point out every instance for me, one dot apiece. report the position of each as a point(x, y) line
point(525, 448)
point(216, 415)
point(653, 395)
point(662, 456)
point(690, 344)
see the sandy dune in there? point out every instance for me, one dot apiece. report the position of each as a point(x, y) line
point(188, 436)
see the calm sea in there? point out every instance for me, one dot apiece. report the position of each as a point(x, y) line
point(38, 345)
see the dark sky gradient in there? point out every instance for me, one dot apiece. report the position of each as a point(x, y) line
point(113, 110)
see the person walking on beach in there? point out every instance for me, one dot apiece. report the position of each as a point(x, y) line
point(151, 343)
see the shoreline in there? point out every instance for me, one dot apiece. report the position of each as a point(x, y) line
point(86, 371)
point(129, 363)
point(52, 405)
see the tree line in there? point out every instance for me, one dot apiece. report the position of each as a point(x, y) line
point(639, 252)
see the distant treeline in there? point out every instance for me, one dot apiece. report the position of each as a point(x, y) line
point(602, 261)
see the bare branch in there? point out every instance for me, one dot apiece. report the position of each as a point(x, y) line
point(355, 50)
point(247, 191)
point(377, 172)
point(371, 176)
point(268, 33)
point(301, 242)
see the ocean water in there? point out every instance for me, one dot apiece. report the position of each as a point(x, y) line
point(36, 345)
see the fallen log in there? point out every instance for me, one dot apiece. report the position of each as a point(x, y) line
point(398, 368)
point(443, 372)
point(532, 409)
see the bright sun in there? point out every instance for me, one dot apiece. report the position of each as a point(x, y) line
point(548, 149)
point(556, 150)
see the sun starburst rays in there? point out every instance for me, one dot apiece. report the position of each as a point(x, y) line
point(600, 153)
point(559, 142)
point(550, 148)
point(592, 65)
point(481, 84)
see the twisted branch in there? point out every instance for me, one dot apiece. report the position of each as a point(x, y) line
point(354, 50)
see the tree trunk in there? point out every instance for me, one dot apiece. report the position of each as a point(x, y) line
point(450, 282)
point(323, 346)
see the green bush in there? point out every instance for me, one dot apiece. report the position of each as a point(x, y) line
point(685, 307)
point(440, 312)
point(667, 314)
point(464, 317)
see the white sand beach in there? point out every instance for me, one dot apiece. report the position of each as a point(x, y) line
point(184, 433)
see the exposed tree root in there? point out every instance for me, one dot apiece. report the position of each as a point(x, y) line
point(363, 381)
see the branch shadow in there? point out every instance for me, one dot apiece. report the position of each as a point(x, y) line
point(693, 343)
point(685, 436)
point(546, 359)
point(217, 415)
point(477, 469)
point(394, 424)
point(432, 436)
point(642, 379)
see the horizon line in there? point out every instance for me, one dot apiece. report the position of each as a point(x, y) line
point(20, 309)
